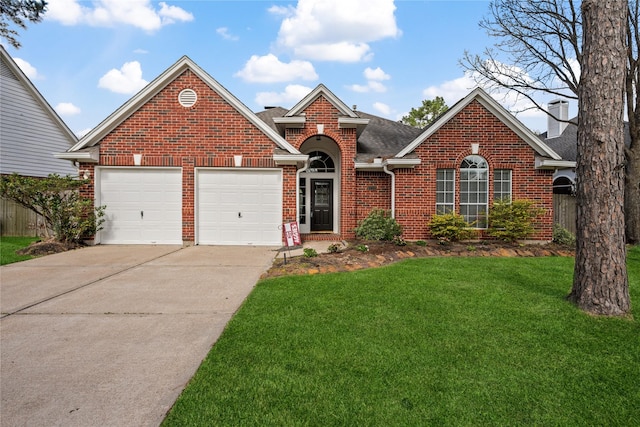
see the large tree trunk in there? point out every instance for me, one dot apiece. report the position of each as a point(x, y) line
point(600, 283)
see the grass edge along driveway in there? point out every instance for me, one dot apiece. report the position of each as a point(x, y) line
point(436, 341)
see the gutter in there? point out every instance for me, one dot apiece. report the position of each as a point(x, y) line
point(393, 189)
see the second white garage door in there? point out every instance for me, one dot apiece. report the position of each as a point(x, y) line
point(239, 207)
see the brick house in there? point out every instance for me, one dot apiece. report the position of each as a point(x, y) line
point(184, 161)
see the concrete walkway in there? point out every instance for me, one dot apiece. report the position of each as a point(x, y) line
point(110, 335)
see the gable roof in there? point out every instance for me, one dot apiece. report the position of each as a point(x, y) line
point(153, 88)
point(19, 74)
point(313, 95)
point(496, 109)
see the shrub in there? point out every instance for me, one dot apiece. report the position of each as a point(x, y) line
point(450, 227)
point(310, 252)
point(562, 236)
point(421, 243)
point(399, 241)
point(362, 248)
point(378, 225)
point(69, 215)
point(333, 248)
point(511, 221)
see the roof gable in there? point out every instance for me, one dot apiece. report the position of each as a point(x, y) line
point(162, 81)
point(321, 90)
point(497, 110)
point(37, 96)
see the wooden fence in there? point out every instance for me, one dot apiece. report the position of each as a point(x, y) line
point(564, 211)
point(16, 220)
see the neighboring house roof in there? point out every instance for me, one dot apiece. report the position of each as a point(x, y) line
point(31, 131)
point(498, 110)
point(566, 145)
point(148, 92)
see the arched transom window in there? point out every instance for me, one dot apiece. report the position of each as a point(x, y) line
point(320, 162)
point(474, 190)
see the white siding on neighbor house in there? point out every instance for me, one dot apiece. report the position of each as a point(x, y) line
point(29, 135)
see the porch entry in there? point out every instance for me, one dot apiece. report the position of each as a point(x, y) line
point(321, 205)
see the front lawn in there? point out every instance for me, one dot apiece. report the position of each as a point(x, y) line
point(434, 341)
point(10, 244)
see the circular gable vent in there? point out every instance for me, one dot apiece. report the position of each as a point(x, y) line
point(187, 98)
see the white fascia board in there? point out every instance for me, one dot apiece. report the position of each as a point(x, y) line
point(92, 156)
point(369, 166)
point(289, 159)
point(291, 122)
point(399, 163)
point(352, 122)
point(544, 163)
point(149, 91)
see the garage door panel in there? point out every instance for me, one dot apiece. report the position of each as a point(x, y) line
point(143, 206)
point(239, 207)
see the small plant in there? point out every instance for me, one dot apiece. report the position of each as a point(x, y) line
point(333, 248)
point(362, 248)
point(450, 227)
point(399, 241)
point(310, 252)
point(421, 243)
point(472, 248)
point(378, 225)
point(512, 220)
point(562, 236)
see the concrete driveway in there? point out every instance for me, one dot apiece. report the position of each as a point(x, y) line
point(110, 335)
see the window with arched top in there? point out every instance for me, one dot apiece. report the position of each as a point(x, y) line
point(474, 190)
point(320, 162)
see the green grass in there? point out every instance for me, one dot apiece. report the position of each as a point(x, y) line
point(440, 341)
point(9, 245)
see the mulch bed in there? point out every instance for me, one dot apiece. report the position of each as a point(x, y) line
point(383, 253)
point(48, 247)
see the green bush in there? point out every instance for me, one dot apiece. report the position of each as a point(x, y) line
point(378, 225)
point(68, 214)
point(310, 252)
point(562, 236)
point(450, 227)
point(334, 248)
point(512, 220)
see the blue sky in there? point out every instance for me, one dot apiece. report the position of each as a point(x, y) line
point(89, 57)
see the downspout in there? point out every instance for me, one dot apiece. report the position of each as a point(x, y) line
point(393, 189)
point(298, 172)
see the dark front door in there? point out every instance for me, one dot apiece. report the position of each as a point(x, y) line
point(321, 205)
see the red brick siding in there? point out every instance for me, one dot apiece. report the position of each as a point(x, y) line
point(500, 146)
point(207, 134)
point(374, 192)
point(321, 111)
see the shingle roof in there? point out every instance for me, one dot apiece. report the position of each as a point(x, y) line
point(380, 138)
point(566, 145)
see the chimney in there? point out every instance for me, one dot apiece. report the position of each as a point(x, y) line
point(559, 109)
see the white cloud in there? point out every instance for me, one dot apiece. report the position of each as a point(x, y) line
point(336, 30)
point(106, 13)
point(224, 32)
point(374, 78)
point(269, 69)
point(127, 80)
point(83, 132)
point(67, 109)
point(141, 51)
point(29, 70)
point(291, 95)
point(381, 108)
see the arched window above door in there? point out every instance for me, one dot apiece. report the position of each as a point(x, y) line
point(320, 162)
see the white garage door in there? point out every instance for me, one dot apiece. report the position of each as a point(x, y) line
point(144, 206)
point(239, 207)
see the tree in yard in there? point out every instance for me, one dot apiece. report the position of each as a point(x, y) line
point(68, 214)
point(600, 282)
point(543, 41)
point(424, 115)
point(19, 11)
